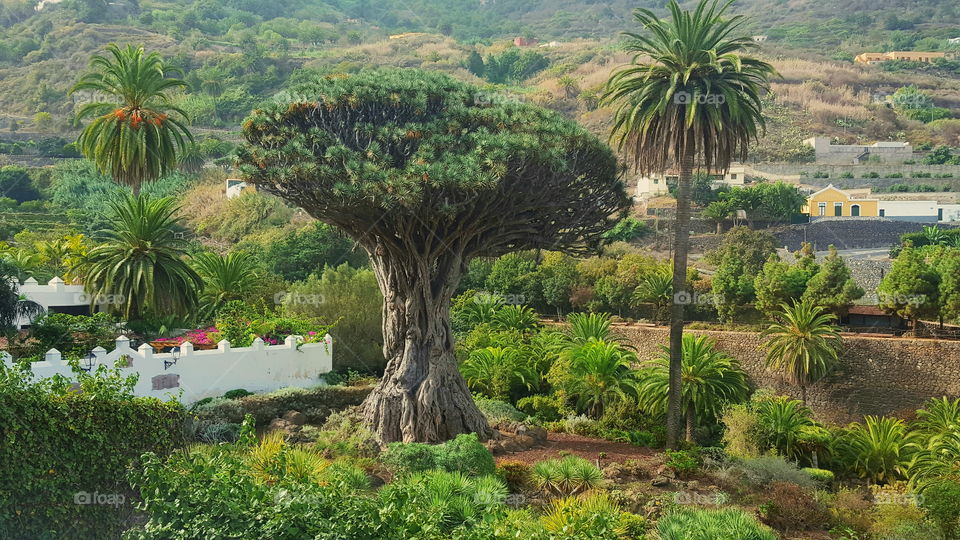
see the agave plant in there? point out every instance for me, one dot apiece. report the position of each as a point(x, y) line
point(137, 133)
point(566, 476)
point(880, 449)
point(710, 380)
point(934, 235)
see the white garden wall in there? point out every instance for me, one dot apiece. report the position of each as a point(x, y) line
point(200, 374)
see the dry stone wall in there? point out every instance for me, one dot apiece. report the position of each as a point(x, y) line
point(879, 376)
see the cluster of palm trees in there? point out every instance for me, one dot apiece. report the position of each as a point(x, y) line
point(588, 369)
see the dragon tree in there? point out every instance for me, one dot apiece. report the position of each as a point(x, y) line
point(426, 173)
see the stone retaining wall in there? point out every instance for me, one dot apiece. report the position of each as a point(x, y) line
point(875, 375)
point(847, 233)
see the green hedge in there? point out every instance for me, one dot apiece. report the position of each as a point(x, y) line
point(65, 451)
point(316, 403)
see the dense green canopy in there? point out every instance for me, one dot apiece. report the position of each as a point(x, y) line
point(391, 150)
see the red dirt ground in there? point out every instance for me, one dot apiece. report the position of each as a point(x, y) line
point(584, 447)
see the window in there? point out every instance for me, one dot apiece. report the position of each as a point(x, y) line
point(855, 210)
point(882, 212)
point(838, 209)
point(733, 176)
point(823, 208)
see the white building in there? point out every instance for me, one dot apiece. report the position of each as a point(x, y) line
point(55, 296)
point(921, 211)
point(657, 185)
point(948, 212)
point(855, 154)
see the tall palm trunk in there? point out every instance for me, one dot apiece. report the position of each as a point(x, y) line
point(681, 245)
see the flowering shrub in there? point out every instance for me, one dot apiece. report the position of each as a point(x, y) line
point(240, 325)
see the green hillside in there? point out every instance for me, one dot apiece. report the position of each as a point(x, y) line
point(235, 53)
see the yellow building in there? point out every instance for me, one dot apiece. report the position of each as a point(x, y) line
point(833, 202)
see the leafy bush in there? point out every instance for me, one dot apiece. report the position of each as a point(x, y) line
point(343, 435)
point(591, 517)
point(850, 510)
point(941, 500)
point(215, 494)
point(316, 403)
point(566, 476)
point(73, 335)
point(627, 229)
point(788, 507)
point(465, 454)
point(499, 411)
point(516, 474)
point(741, 435)
point(822, 477)
point(237, 394)
point(61, 447)
point(729, 524)
point(763, 471)
point(351, 297)
point(682, 462)
point(545, 408)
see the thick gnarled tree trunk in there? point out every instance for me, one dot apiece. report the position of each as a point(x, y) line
point(422, 397)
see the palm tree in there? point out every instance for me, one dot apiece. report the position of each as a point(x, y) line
point(600, 374)
point(214, 89)
point(784, 422)
point(710, 380)
point(494, 371)
point(140, 264)
point(655, 289)
point(585, 327)
point(137, 134)
point(690, 99)
point(225, 278)
point(569, 85)
point(880, 449)
point(803, 348)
